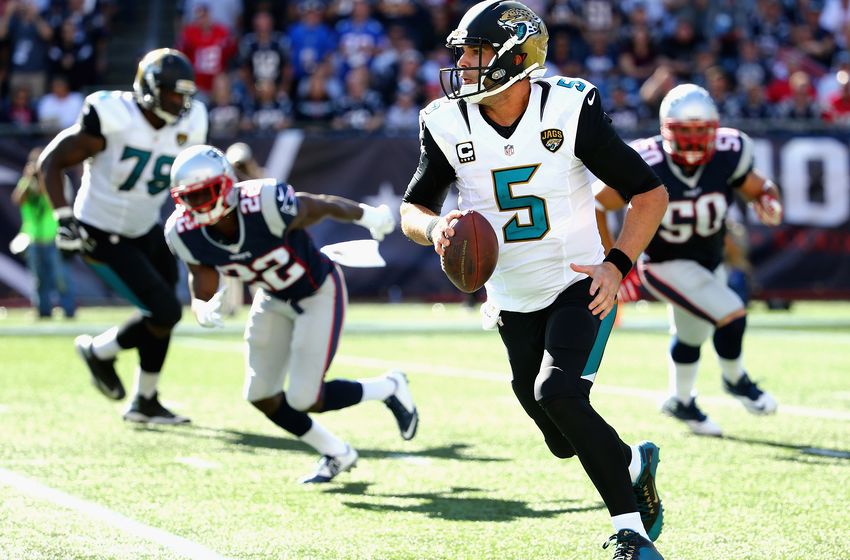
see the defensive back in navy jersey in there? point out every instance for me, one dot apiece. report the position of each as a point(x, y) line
point(267, 254)
point(694, 226)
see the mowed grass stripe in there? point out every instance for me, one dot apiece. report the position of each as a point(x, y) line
point(179, 545)
point(467, 373)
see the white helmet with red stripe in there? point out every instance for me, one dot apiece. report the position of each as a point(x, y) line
point(201, 182)
point(689, 121)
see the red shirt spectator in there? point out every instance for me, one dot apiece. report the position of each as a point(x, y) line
point(838, 108)
point(208, 45)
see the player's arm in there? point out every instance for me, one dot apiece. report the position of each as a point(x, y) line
point(206, 297)
point(607, 199)
point(763, 195)
point(597, 145)
point(70, 147)
point(313, 208)
point(420, 209)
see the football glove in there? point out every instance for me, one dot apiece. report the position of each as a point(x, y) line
point(490, 318)
point(768, 209)
point(68, 239)
point(379, 221)
point(208, 313)
point(629, 288)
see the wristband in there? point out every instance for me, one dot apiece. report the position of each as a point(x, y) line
point(430, 229)
point(620, 260)
point(63, 212)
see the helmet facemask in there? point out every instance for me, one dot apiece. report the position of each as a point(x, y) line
point(162, 73)
point(206, 200)
point(689, 121)
point(690, 143)
point(202, 182)
point(518, 38)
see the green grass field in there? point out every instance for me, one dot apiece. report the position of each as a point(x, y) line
point(477, 482)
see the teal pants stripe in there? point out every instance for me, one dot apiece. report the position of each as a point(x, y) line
point(114, 281)
point(598, 349)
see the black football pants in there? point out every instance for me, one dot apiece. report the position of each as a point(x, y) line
point(142, 270)
point(554, 355)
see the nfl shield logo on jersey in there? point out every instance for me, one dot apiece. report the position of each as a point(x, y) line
point(509, 150)
point(552, 139)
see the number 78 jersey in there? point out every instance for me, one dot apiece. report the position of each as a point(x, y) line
point(124, 186)
point(694, 225)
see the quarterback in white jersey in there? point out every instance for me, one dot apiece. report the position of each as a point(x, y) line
point(519, 150)
point(127, 142)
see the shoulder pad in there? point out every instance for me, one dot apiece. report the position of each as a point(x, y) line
point(112, 109)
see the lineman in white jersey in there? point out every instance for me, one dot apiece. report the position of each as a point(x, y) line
point(518, 150)
point(127, 141)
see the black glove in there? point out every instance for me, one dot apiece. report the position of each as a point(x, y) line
point(68, 238)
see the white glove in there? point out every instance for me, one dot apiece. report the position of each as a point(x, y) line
point(768, 209)
point(490, 318)
point(208, 313)
point(379, 221)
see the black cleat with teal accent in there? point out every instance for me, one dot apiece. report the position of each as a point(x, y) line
point(631, 546)
point(646, 495)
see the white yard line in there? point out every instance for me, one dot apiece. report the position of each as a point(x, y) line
point(468, 373)
point(178, 545)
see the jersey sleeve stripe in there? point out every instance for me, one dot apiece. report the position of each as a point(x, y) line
point(179, 248)
point(746, 161)
point(271, 213)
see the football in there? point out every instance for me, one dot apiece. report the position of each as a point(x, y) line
point(471, 258)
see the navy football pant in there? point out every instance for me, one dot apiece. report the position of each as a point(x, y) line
point(554, 355)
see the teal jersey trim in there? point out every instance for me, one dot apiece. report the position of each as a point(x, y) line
point(113, 281)
point(598, 349)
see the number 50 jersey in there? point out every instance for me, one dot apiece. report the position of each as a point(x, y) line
point(285, 263)
point(694, 225)
point(125, 185)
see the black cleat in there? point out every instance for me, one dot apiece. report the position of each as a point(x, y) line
point(632, 546)
point(649, 503)
point(150, 411)
point(401, 405)
point(754, 399)
point(331, 465)
point(692, 416)
point(103, 375)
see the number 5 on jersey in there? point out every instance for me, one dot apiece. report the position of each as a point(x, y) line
point(513, 231)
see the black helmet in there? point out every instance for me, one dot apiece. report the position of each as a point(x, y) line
point(163, 69)
point(516, 34)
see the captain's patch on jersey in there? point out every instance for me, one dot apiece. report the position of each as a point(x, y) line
point(465, 152)
point(552, 139)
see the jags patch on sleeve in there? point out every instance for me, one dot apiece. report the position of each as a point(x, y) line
point(287, 200)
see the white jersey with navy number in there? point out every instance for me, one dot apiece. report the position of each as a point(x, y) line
point(125, 185)
point(531, 187)
point(284, 263)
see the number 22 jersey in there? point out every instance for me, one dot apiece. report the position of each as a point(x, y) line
point(694, 225)
point(283, 262)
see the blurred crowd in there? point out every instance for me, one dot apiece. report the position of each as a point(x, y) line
point(366, 65)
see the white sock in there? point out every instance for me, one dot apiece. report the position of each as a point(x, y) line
point(732, 370)
point(629, 521)
point(377, 388)
point(683, 377)
point(105, 345)
point(323, 441)
point(146, 383)
point(634, 464)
